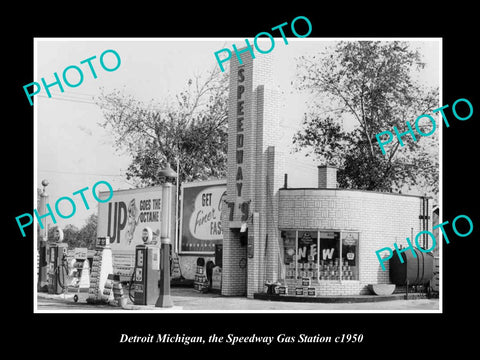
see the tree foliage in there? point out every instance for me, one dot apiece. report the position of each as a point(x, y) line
point(191, 128)
point(370, 83)
point(75, 237)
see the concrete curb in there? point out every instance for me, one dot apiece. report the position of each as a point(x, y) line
point(152, 308)
point(335, 299)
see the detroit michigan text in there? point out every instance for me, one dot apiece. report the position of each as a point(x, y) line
point(232, 339)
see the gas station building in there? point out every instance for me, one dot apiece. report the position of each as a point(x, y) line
point(274, 232)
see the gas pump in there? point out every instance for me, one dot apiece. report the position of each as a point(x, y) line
point(57, 270)
point(146, 273)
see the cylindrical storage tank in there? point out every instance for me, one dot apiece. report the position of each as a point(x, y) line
point(417, 271)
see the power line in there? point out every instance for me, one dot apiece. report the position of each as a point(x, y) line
point(68, 99)
point(82, 94)
point(71, 93)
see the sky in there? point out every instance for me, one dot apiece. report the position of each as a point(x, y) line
point(74, 152)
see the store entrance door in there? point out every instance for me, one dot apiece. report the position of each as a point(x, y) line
point(243, 263)
point(234, 282)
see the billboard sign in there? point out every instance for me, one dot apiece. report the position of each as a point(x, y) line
point(201, 223)
point(127, 213)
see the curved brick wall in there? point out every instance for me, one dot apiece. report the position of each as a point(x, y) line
point(380, 218)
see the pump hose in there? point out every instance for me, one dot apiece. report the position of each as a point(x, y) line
point(57, 270)
point(130, 287)
point(57, 273)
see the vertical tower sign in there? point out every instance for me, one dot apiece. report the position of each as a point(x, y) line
point(253, 178)
point(239, 208)
point(240, 133)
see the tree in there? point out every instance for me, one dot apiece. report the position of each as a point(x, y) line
point(372, 84)
point(75, 237)
point(192, 129)
point(88, 233)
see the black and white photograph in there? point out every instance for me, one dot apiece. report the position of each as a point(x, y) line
point(269, 172)
point(278, 184)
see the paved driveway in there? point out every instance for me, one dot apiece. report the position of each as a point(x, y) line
point(189, 300)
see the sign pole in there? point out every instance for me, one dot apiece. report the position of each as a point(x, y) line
point(175, 248)
point(164, 299)
point(42, 284)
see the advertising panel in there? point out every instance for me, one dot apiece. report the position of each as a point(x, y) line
point(349, 247)
point(307, 246)
point(127, 213)
point(201, 224)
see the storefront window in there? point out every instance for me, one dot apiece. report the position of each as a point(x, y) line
point(289, 253)
point(307, 254)
point(349, 255)
point(321, 255)
point(329, 266)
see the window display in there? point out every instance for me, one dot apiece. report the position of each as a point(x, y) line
point(307, 254)
point(349, 255)
point(289, 252)
point(329, 256)
point(320, 255)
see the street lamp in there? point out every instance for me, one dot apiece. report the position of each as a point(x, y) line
point(164, 299)
point(42, 284)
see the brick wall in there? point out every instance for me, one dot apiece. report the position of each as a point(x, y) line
point(332, 287)
point(380, 218)
point(260, 162)
point(327, 177)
